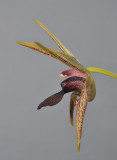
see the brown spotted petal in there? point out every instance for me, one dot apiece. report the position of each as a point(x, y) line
point(81, 105)
point(71, 109)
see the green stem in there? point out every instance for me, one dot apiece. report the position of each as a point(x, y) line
point(103, 71)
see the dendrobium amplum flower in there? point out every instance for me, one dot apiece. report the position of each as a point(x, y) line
point(80, 82)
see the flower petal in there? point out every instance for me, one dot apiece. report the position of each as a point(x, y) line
point(73, 72)
point(71, 109)
point(57, 55)
point(73, 84)
point(52, 100)
point(70, 59)
point(50, 52)
point(81, 105)
point(62, 47)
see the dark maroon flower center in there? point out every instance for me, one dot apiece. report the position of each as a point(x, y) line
point(68, 85)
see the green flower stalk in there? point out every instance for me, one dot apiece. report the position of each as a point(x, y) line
point(80, 82)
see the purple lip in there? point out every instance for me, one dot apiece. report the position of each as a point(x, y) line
point(68, 85)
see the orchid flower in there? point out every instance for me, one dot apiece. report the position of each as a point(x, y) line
point(80, 82)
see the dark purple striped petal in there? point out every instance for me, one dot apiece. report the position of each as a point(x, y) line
point(73, 84)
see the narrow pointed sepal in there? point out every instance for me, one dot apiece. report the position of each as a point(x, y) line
point(72, 104)
point(62, 47)
point(78, 146)
point(70, 57)
point(29, 45)
point(66, 57)
point(81, 105)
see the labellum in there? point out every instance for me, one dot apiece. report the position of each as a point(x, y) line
point(68, 85)
point(81, 82)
